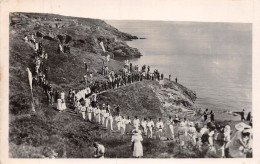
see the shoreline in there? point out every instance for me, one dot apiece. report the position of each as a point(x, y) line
point(67, 131)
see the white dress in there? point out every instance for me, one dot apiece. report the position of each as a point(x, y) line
point(83, 110)
point(123, 126)
point(150, 126)
point(128, 126)
point(97, 112)
point(62, 95)
point(170, 131)
point(144, 126)
point(159, 126)
point(138, 148)
point(118, 122)
point(110, 123)
point(89, 111)
point(136, 123)
point(59, 102)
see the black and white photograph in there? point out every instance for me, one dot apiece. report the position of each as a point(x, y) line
point(86, 87)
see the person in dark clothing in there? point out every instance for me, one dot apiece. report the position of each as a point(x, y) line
point(212, 116)
point(248, 118)
point(162, 76)
point(176, 80)
point(170, 77)
point(242, 114)
point(86, 66)
point(117, 110)
point(56, 95)
point(131, 67)
point(205, 114)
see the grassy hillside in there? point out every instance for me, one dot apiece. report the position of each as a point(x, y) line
point(36, 134)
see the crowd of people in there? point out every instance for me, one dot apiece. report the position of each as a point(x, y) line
point(192, 135)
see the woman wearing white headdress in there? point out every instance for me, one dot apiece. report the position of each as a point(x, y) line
point(136, 122)
point(192, 133)
point(63, 103)
point(159, 126)
point(144, 126)
point(108, 57)
point(59, 102)
point(123, 125)
point(110, 122)
point(150, 125)
point(102, 116)
point(182, 133)
point(226, 140)
point(137, 145)
point(97, 114)
point(118, 119)
point(170, 132)
point(240, 144)
point(83, 110)
point(106, 119)
point(128, 125)
point(89, 111)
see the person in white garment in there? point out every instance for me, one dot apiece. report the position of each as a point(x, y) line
point(150, 125)
point(128, 125)
point(137, 144)
point(98, 115)
point(110, 123)
point(89, 112)
point(102, 114)
point(99, 150)
point(77, 105)
point(118, 119)
point(182, 134)
point(82, 109)
point(88, 90)
point(136, 123)
point(170, 131)
point(192, 133)
point(123, 125)
point(108, 58)
point(240, 143)
point(159, 126)
point(144, 126)
point(26, 38)
point(94, 114)
point(62, 96)
point(106, 119)
point(59, 107)
point(227, 133)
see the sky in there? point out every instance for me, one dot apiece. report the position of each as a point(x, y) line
point(170, 10)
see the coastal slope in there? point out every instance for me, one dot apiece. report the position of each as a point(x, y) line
point(32, 134)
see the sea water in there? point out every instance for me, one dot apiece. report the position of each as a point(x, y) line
point(213, 59)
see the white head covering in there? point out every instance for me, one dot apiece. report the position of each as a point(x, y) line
point(241, 126)
point(182, 124)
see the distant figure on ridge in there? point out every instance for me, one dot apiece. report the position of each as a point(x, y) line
point(176, 80)
point(205, 114)
point(170, 77)
point(242, 114)
point(86, 66)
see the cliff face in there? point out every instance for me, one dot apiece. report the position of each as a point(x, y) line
point(67, 133)
point(82, 33)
